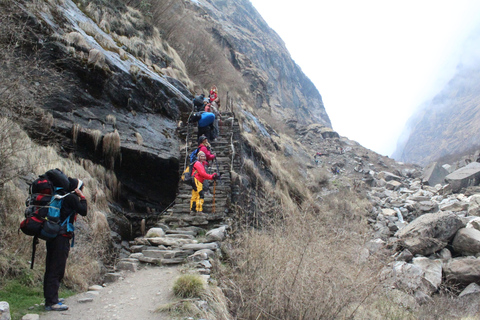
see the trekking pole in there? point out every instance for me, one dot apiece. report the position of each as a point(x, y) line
point(216, 162)
point(186, 140)
point(214, 188)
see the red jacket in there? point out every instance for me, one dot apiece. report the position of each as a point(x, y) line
point(207, 152)
point(213, 96)
point(200, 173)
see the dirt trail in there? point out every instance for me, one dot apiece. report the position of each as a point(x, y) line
point(134, 297)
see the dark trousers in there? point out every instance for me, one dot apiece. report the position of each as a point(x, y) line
point(207, 132)
point(56, 261)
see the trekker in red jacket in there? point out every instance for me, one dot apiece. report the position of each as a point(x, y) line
point(200, 175)
point(204, 146)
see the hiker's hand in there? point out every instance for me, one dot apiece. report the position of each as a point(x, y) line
point(214, 156)
point(79, 193)
point(215, 176)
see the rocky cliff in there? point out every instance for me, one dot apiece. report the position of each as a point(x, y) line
point(275, 81)
point(114, 86)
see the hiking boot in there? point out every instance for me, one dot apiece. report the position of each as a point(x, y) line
point(56, 307)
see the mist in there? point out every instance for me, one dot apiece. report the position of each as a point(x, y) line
point(374, 62)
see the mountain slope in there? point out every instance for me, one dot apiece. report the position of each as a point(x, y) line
point(446, 125)
point(276, 81)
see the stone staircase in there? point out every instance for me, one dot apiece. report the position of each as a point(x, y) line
point(216, 205)
point(179, 237)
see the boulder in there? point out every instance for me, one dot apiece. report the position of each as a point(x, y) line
point(375, 245)
point(467, 241)
point(464, 270)
point(427, 206)
point(434, 174)
point(455, 206)
point(387, 176)
point(4, 310)
point(112, 277)
point(474, 205)
point(429, 232)
point(393, 185)
point(198, 256)
point(444, 254)
point(127, 265)
point(217, 234)
point(472, 288)
point(464, 177)
point(411, 278)
point(405, 255)
point(432, 270)
point(448, 167)
point(474, 223)
point(155, 233)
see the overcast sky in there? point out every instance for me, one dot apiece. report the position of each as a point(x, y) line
point(373, 61)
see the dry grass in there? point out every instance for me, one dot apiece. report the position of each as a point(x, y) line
point(111, 148)
point(96, 136)
point(76, 40)
point(96, 58)
point(308, 266)
point(139, 138)
point(306, 255)
point(192, 307)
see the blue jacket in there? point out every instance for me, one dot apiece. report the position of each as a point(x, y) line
point(207, 119)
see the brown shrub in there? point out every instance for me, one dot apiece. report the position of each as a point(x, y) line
point(111, 148)
point(307, 266)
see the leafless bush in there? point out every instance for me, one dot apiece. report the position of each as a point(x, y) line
point(306, 267)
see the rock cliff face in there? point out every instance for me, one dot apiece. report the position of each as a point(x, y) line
point(446, 125)
point(276, 82)
point(117, 106)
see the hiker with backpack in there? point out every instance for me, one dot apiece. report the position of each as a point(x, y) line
point(58, 248)
point(199, 175)
point(206, 124)
point(204, 146)
point(198, 102)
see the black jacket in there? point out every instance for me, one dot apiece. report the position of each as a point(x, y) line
point(72, 204)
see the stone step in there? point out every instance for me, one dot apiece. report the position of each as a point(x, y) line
point(164, 254)
point(187, 232)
